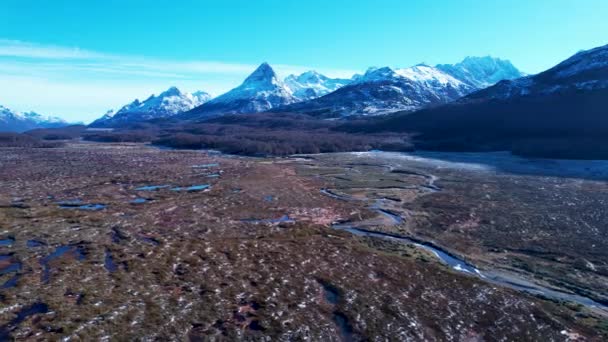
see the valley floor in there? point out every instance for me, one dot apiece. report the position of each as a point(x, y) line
point(124, 241)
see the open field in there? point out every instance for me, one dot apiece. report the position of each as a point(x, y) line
point(123, 240)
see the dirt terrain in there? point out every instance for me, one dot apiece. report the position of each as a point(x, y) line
point(125, 241)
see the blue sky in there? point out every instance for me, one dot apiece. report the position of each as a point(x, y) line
point(76, 59)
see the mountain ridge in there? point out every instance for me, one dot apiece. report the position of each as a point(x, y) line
point(168, 103)
point(14, 121)
point(311, 84)
point(482, 72)
point(384, 90)
point(558, 113)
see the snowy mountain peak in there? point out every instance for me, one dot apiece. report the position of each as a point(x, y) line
point(428, 74)
point(374, 74)
point(311, 77)
point(311, 84)
point(263, 74)
point(482, 72)
point(170, 102)
point(585, 71)
point(418, 73)
point(21, 121)
point(261, 91)
point(384, 90)
point(172, 91)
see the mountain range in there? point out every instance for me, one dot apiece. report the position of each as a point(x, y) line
point(386, 90)
point(481, 103)
point(22, 121)
point(378, 91)
point(560, 112)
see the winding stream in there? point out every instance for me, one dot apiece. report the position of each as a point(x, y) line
point(505, 279)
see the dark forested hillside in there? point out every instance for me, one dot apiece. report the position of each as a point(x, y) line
point(572, 124)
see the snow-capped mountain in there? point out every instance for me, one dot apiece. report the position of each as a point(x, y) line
point(312, 84)
point(168, 103)
point(481, 72)
point(13, 121)
point(385, 90)
point(560, 112)
point(586, 70)
point(261, 91)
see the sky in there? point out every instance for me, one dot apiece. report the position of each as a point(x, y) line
point(77, 59)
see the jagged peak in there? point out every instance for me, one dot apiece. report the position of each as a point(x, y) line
point(311, 73)
point(378, 70)
point(470, 60)
point(482, 58)
point(263, 73)
point(311, 76)
point(481, 72)
point(172, 91)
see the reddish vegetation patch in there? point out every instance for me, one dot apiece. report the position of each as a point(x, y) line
point(189, 267)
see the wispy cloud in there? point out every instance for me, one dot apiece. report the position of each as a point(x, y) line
point(80, 84)
point(75, 58)
point(17, 48)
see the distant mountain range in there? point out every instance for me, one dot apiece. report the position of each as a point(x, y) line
point(168, 103)
point(386, 90)
point(481, 103)
point(378, 91)
point(561, 112)
point(13, 121)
